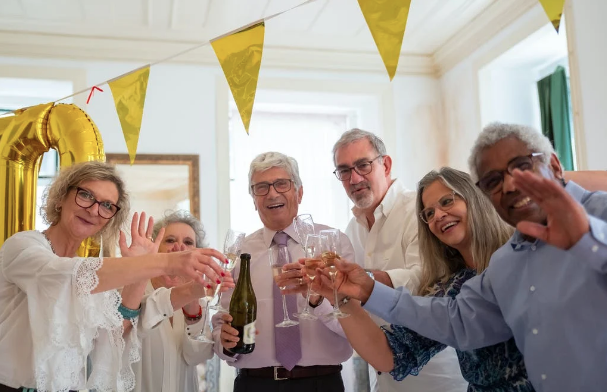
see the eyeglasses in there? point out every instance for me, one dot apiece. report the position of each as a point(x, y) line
point(444, 204)
point(85, 199)
point(361, 168)
point(281, 185)
point(492, 181)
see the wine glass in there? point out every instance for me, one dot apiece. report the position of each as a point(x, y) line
point(331, 247)
point(209, 293)
point(303, 225)
point(313, 261)
point(231, 248)
point(278, 256)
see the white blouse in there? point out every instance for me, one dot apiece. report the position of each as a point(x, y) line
point(169, 357)
point(50, 322)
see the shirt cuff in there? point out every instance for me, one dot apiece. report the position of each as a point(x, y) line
point(592, 247)
point(381, 300)
point(158, 307)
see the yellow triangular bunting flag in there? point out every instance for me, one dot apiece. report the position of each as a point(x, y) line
point(129, 97)
point(554, 10)
point(240, 57)
point(387, 20)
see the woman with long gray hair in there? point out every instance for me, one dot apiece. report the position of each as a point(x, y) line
point(172, 313)
point(458, 231)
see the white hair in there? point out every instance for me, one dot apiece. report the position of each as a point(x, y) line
point(268, 160)
point(495, 132)
point(182, 216)
point(355, 134)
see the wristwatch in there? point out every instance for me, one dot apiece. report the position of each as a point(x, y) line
point(371, 275)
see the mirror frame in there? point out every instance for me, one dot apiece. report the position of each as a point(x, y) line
point(192, 161)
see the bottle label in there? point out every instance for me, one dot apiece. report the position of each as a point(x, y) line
point(249, 333)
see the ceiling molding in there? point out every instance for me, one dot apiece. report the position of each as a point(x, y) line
point(485, 26)
point(37, 45)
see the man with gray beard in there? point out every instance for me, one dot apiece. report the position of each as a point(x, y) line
point(383, 233)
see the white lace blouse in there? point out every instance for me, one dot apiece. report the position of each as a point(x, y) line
point(50, 322)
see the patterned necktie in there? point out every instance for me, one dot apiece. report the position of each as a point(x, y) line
point(287, 341)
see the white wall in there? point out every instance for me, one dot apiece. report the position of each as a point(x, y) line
point(462, 95)
point(589, 55)
point(183, 103)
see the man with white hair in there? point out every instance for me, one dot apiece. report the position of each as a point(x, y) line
point(384, 236)
point(546, 287)
point(302, 358)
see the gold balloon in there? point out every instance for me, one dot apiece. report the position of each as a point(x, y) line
point(24, 138)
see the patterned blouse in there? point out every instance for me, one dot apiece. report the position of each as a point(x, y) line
point(497, 368)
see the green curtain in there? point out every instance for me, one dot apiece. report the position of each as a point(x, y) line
point(555, 112)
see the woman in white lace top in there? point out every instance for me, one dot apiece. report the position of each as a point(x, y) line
point(171, 313)
point(57, 309)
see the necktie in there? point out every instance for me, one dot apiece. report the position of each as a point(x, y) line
point(287, 341)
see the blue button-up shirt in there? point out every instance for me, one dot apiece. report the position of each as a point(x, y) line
point(553, 301)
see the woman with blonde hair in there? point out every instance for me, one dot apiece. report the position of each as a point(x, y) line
point(57, 310)
point(458, 231)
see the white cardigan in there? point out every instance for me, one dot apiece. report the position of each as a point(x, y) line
point(169, 357)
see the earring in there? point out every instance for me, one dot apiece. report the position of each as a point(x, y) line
point(57, 209)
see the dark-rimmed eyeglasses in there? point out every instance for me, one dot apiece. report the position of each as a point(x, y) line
point(361, 168)
point(445, 203)
point(85, 199)
point(492, 182)
point(282, 185)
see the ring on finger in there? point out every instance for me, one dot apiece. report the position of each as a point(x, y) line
point(300, 281)
point(150, 238)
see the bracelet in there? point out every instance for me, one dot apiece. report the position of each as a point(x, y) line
point(193, 317)
point(127, 313)
point(317, 304)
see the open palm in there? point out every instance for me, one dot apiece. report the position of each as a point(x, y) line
point(141, 237)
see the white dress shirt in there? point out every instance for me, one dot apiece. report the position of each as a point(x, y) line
point(391, 246)
point(322, 342)
point(50, 322)
point(168, 356)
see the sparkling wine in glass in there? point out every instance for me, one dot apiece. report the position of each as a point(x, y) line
point(331, 247)
point(313, 261)
point(278, 256)
point(231, 248)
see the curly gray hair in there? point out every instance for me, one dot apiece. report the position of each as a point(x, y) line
point(268, 160)
point(71, 177)
point(355, 134)
point(182, 216)
point(496, 132)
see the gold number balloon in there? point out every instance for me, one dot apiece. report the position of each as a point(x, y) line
point(24, 138)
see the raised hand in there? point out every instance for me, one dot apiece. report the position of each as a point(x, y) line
point(567, 221)
point(292, 279)
point(351, 280)
point(195, 264)
point(141, 237)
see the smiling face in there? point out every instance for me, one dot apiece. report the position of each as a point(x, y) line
point(366, 191)
point(276, 210)
point(451, 226)
point(512, 206)
point(178, 236)
point(81, 223)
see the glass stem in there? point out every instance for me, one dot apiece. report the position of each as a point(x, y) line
point(206, 315)
point(307, 308)
point(284, 308)
point(336, 306)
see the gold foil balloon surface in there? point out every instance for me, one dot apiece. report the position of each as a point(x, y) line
point(24, 138)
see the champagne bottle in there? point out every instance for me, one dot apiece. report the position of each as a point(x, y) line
point(243, 308)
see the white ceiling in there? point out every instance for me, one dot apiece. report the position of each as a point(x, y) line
point(335, 25)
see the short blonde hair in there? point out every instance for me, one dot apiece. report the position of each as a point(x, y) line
point(71, 177)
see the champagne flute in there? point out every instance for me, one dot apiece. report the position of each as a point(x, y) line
point(303, 225)
point(231, 248)
point(331, 247)
point(278, 256)
point(313, 261)
point(209, 293)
